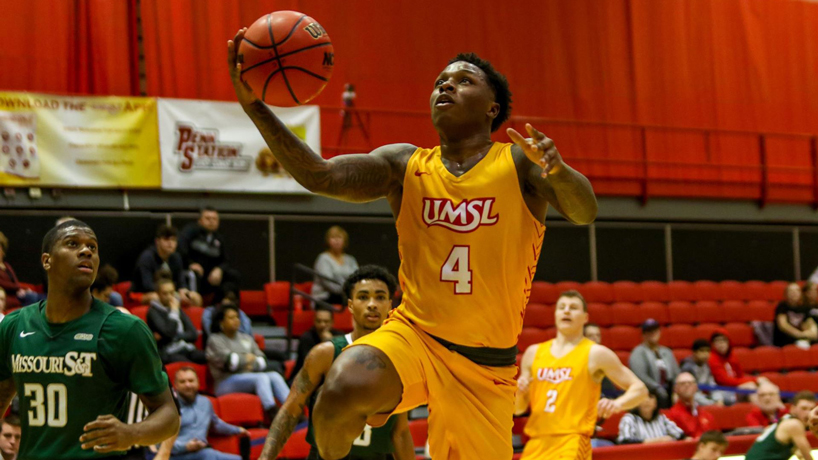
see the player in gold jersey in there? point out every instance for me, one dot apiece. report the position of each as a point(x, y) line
point(470, 218)
point(560, 381)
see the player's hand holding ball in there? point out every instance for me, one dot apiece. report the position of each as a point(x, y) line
point(538, 148)
point(107, 434)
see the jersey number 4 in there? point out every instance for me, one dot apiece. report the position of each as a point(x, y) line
point(457, 270)
point(53, 401)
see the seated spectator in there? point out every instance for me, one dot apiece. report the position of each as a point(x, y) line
point(103, 287)
point(176, 336)
point(232, 299)
point(711, 446)
point(203, 250)
point(647, 425)
point(335, 265)
point(654, 364)
point(16, 295)
point(594, 334)
point(792, 319)
point(725, 367)
point(697, 365)
point(162, 256)
point(321, 331)
point(238, 365)
point(10, 437)
point(687, 414)
point(768, 408)
point(197, 421)
point(788, 436)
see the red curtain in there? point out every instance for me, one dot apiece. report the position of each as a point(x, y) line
point(68, 46)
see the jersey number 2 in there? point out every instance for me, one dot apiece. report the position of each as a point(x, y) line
point(551, 402)
point(457, 270)
point(53, 400)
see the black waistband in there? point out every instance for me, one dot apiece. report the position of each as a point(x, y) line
point(484, 356)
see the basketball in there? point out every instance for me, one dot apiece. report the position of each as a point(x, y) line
point(286, 58)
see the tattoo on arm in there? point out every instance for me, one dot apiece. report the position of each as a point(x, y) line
point(370, 359)
point(7, 392)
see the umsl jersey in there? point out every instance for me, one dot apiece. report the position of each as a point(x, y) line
point(562, 392)
point(469, 247)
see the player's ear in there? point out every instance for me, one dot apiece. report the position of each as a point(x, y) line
point(46, 260)
point(494, 110)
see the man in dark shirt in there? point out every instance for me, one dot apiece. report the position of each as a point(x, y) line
point(320, 332)
point(162, 256)
point(203, 251)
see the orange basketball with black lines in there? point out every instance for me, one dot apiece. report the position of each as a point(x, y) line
point(286, 58)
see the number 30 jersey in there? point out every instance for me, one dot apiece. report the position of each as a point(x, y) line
point(469, 247)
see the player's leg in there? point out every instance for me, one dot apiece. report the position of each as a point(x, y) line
point(257, 383)
point(279, 386)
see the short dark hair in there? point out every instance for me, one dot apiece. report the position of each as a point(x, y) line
point(161, 275)
point(187, 369)
point(106, 276)
point(713, 436)
point(497, 82)
point(164, 279)
point(12, 420)
point(698, 344)
point(326, 309)
point(804, 395)
point(216, 326)
point(205, 209)
point(576, 295)
point(651, 393)
point(53, 235)
point(166, 231)
point(370, 272)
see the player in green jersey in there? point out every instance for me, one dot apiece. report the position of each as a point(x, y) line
point(369, 292)
point(74, 359)
point(787, 437)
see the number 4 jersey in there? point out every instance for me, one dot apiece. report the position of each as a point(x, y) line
point(68, 374)
point(469, 247)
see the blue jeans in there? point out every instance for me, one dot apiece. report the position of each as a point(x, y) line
point(205, 454)
point(268, 386)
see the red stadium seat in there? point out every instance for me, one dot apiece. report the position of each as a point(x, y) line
point(681, 290)
point(530, 336)
point(655, 291)
point(677, 336)
point(343, 320)
point(544, 293)
point(289, 365)
point(195, 315)
point(756, 290)
point(734, 311)
point(802, 380)
point(709, 311)
point(260, 341)
point(796, 358)
point(681, 353)
point(597, 291)
point(141, 312)
point(278, 294)
point(767, 359)
point(420, 431)
point(759, 310)
point(241, 409)
point(741, 334)
point(778, 379)
point(215, 403)
point(704, 331)
point(655, 310)
point(813, 350)
point(297, 446)
point(706, 290)
point(624, 356)
point(623, 337)
point(738, 414)
point(744, 356)
point(627, 314)
point(563, 286)
point(610, 427)
point(775, 290)
point(682, 312)
point(600, 314)
point(550, 333)
point(538, 315)
point(627, 291)
point(254, 303)
point(722, 417)
point(302, 321)
point(732, 290)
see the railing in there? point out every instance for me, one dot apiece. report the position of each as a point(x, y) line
point(300, 269)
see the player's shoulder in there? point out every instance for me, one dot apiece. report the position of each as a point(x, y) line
point(118, 321)
point(600, 354)
point(320, 358)
point(11, 319)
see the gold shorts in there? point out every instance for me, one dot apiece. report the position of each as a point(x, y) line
point(558, 447)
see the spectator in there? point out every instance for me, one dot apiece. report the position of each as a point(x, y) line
point(335, 265)
point(175, 333)
point(725, 367)
point(198, 419)
point(321, 331)
point(788, 436)
point(711, 446)
point(10, 437)
point(647, 425)
point(792, 319)
point(238, 365)
point(203, 250)
point(16, 295)
point(697, 365)
point(687, 413)
point(103, 287)
point(654, 364)
point(246, 325)
point(594, 334)
point(768, 407)
point(162, 256)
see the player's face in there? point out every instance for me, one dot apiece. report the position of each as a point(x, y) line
point(569, 314)
point(10, 439)
point(166, 292)
point(322, 321)
point(710, 451)
point(370, 303)
point(209, 220)
point(74, 257)
point(231, 322)
point(166, 246)
point(802, 409)
point(187, 384)
point(462, 95)
point(594, 334)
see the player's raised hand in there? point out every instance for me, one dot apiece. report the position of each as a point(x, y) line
point(243, 91)
point(607, 407)
point(107, 434)
point(538, 148)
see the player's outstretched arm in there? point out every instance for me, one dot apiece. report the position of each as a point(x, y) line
point(402, 439)
point(522, 398)
point(7, 392)
point(316, 366)
point(550, 178)
point(794, 429)
point(604, 363)
point(356, 178)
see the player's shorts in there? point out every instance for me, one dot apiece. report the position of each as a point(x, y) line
point(470, 406)
point(558, 447)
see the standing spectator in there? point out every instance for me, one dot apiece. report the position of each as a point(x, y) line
point(654, 364)
point(9, 437)
point(335, 265)
point(792, 319)
point(686, 413)
point(647, 425)
point(175, 333)
point(203, 250)
point(238, 365)
point(15, 293)
point(162, 257)
point(697, 364)
point(711, 446)
point(768, 408)
point(320, 332)
point(103, 287)
point(198, 419)
point(725, 367)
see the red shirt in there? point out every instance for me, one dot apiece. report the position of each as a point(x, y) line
point(693, 424)
point(727, 371)
point(757, 418)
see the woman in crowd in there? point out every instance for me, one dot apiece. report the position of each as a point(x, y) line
point(645, 424)
point(334, 264)
point(792, 319)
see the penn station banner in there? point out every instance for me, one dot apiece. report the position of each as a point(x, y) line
point(209, 145)
point(76, 141)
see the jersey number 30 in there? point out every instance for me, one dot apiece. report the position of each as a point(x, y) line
point(457, 270)
point(54, 401)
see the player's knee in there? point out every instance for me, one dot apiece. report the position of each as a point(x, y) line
point(364, 376)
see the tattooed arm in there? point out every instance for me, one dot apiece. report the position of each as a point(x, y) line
point(308, 379)
point(356, 178)
point(7, 392)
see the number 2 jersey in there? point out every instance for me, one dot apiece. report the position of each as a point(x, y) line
point(469, 247)
point(68, 374)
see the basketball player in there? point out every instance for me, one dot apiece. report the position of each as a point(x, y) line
point(469, 216)
point(788, 437)
point(369, 292)
point(561, 378)
point(73, 359)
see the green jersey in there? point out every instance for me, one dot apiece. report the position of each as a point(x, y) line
point(67, 374)
point(766, 447)
point(373, 442)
